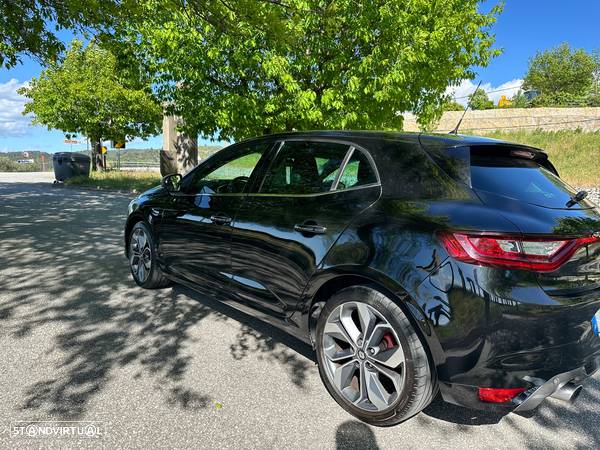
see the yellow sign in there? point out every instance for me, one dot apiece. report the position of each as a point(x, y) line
point(118, 144)
point(104, 149)
point(504, 102)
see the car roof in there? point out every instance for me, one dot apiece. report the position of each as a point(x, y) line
point(447, 140)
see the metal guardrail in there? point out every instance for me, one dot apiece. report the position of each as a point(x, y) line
point(127, 164)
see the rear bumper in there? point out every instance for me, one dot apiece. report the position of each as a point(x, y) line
point(538, 390)
point(499, 329)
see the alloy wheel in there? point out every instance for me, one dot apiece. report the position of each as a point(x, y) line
point(363, 357)
point(140, 255)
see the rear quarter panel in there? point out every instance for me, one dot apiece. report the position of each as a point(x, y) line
point(394, 245)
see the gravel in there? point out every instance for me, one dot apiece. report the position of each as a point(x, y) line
point(593, 194)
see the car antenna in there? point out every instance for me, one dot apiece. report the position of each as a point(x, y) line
point(455, 130)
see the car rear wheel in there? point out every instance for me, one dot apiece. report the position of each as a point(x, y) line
point(371, 359)
point(142, 258)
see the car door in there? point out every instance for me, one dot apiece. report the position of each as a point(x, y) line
point(284, 228)
point(194, 233)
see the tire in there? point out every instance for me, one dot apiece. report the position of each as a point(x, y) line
point(142, 258)
point(392, 358)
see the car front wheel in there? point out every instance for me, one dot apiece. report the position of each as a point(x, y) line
point(142, 258)
point(370, 358)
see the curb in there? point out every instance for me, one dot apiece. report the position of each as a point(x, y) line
point(60, 185)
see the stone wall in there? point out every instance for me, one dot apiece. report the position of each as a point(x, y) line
point(550, 119)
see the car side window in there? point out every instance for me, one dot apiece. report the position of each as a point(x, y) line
point(227, 172)
point(357, 172)
point(304, 167)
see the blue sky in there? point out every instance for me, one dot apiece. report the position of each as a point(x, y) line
point(525, 27)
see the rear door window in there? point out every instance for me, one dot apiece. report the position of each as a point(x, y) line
point(521, 179)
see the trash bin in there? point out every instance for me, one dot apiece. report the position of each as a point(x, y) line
point(68, 165)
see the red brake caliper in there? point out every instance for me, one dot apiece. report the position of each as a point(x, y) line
point(387, 342)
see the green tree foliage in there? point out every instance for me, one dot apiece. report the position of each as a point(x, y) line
point(239, 69)
point(519, 100)
point(87, 94)
point(28, 27)
point(563, 70)
point(480, 100)
point(564, 99)
point(452, 105)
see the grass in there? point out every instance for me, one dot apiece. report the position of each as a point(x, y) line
point(125, 181)
point(575, 154)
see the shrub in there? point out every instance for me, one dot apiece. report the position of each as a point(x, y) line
point(8, 165)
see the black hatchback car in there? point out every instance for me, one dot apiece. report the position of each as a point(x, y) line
point(414, 264)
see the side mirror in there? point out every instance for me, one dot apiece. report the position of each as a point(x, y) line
point(171, 182)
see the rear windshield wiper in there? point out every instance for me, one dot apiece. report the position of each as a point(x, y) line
point(577, 198)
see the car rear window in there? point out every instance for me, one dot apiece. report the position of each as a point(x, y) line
point(519, 178)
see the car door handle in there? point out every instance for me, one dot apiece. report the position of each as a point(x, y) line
point(220, 219)
point(310, 228)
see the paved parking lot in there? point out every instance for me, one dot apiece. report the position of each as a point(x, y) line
point(81, 342)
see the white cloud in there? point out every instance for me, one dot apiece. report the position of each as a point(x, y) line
point(467, 87)
point(12, 122)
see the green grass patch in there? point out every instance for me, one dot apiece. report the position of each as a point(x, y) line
point(575, 154)
point(125, 181)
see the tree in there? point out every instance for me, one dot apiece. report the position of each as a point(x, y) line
point(563, 70)
point(28, 27)
point(452, 105)
point(87, 94)
point(480, 100)
point(237, 69)
point(519, 100)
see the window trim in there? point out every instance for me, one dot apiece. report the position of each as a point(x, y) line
point(342, 167)
point(352, 147)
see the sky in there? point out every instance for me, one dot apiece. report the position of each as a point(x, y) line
point(524, 28)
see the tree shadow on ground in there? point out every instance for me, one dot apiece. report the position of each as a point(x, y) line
point(63, 272)
point(353, 434)
point(448, 412)
point(256, 336)
point(65, 281)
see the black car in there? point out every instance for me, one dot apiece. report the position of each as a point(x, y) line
point(413, 263)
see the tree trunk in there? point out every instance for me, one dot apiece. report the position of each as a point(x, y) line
point(97, 154)
point(93, 146)
point(180, 151)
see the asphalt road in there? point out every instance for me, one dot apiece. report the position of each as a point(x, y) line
point(79, 341)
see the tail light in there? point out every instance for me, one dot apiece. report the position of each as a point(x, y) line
point(540, 254)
